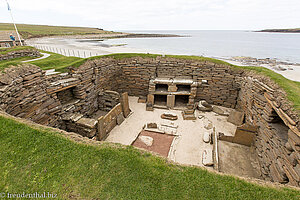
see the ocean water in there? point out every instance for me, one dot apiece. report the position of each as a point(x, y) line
point(219, 44)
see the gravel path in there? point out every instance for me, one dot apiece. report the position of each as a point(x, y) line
point(45, 55)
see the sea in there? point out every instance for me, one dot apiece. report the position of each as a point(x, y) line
point(219, 44)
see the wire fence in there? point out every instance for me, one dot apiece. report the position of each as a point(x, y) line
point(67, 52)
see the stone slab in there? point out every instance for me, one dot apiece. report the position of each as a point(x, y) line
point(236, 117)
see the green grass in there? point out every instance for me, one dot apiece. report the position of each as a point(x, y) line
point(30, 30)
point(4, 50)
point(13, 62)
point(56, 61)
point(39, 160)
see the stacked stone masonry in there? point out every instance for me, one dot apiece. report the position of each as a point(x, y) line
point(92, 99)
point(277, 142)
point(19, 54)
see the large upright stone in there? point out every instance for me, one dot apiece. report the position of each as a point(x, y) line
point(125, 104)
point(236, 118)
point(245, 134)
point(170, 101)
point(101, 131)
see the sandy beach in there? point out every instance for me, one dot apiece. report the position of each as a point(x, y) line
point(79, 47)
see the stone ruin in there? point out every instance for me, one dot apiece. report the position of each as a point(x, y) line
point(19, 54)
point(93, 98)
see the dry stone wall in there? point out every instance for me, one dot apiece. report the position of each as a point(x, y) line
point(277, 141)
point(23, 94)
point(19, 54)
point(133, 76)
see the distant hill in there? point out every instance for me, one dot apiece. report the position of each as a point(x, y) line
point(32, 31)
point(292, 30)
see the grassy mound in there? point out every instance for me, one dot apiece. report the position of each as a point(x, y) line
point(40, 160)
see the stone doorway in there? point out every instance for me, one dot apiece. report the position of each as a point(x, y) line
point(66, 96)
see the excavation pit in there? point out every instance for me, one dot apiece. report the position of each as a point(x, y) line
point(92, 100)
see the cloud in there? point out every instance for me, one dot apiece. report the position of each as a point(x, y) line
point(157, 14)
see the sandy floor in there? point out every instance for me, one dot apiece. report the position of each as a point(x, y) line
point(232, 160)
point(187, 147)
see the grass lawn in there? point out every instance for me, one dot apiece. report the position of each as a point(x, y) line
point(4, 50)
point(56, 61)
point(30, 30)
point(40, 160)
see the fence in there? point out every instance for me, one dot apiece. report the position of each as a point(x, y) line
point(68, 52)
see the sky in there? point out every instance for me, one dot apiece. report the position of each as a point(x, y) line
point(157, 14)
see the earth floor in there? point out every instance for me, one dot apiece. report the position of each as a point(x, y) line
point(188, 145)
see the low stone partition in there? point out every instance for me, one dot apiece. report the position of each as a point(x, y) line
point(244, 135)
point(19, 54)
point(109, 121)
point(86, 127)
point(277, 142)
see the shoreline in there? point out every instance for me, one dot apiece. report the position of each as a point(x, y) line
point(290, 71)
point(109, 36)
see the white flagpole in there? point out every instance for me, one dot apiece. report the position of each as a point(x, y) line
point(14, 23)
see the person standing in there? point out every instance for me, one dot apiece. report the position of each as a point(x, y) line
point(13, 39)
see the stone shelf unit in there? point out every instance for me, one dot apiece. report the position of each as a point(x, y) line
point(171, 91)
